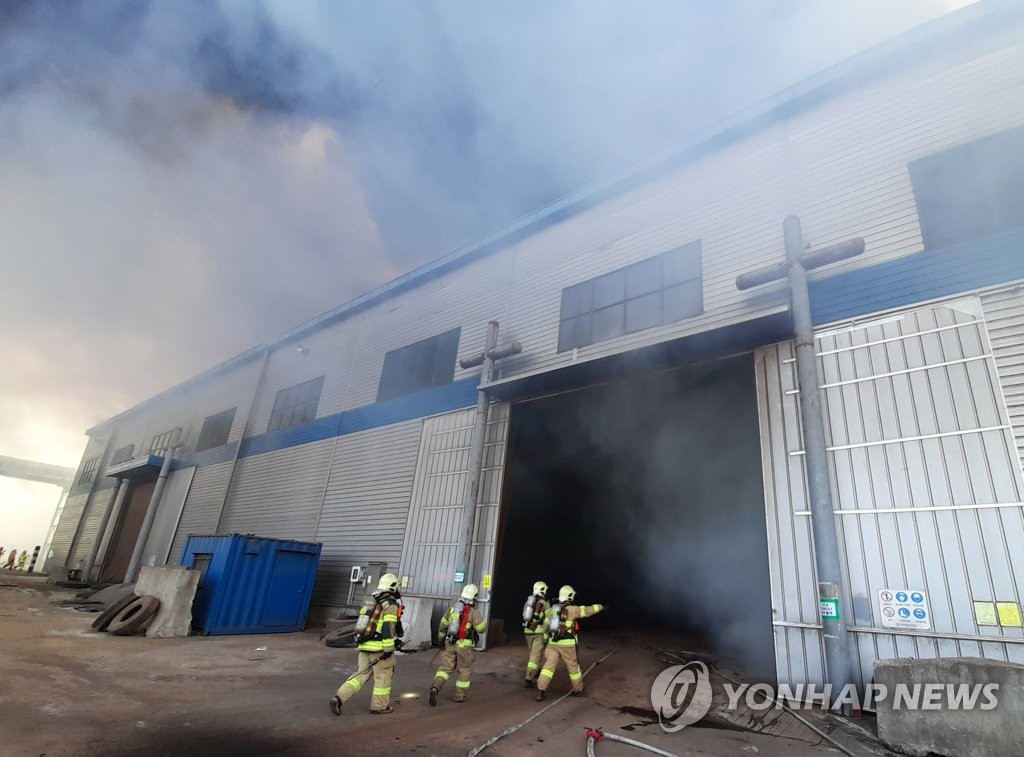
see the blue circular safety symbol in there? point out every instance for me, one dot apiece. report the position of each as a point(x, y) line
point(917, 597)
point(904, 612)
point(919, 613)
point(901, 596)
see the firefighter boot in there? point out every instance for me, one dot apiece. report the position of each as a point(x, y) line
point(541, 695)
point(433, 697)
point(336, 705)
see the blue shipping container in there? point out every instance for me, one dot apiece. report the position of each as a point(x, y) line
point(251, 584)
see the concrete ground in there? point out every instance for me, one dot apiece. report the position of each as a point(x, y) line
point(67, 690)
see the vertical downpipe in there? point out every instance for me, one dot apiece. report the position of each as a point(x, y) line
point(154, 502)
point(113, 505)
point(826, 542)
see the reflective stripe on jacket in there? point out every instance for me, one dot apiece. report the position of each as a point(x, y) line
point(572, 614)
point(476, 622)
point(382, 638)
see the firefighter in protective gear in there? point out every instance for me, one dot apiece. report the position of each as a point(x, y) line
point(378, 637)
point(563, 629)
point(534, 626)
point(458, 632)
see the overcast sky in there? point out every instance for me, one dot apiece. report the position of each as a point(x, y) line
point(182, 179)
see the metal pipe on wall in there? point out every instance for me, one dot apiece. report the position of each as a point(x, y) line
point(826, 542)
point(154, 502)
point(476, 455)
point(113, 505)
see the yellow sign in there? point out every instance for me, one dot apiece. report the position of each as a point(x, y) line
point(985, 614)
point(405, 582)
point(1009, 614)
point(487, 582)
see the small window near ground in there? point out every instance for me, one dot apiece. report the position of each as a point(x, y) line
point(660, 290)
point(418, 366)
point(216, 429)
point(971, 190)
point(296, 405)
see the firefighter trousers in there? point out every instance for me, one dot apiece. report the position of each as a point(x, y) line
point(552, 655)
point(382, 673)
point(535, 643)
point(453, 657)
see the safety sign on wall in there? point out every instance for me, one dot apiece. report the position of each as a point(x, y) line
point(904, 608)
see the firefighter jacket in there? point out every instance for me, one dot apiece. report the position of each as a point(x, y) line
point(470, 626)
point(540, 614)
point(566, 636)
point(380, 634)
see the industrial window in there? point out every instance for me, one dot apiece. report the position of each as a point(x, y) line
point(162, 441)
point(663, 289)
point(421, 365)
point(88, 473)
point(971, 190)
point(215, 430)
point(296, 405)
point(121, 454)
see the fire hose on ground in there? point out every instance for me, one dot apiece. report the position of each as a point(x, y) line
point(683, 660)
point(512, 729)
point(596, 734)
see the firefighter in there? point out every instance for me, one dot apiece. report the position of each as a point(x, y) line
point(458, 632)
point(534, 612)
point(378, 635)
point(562, 628)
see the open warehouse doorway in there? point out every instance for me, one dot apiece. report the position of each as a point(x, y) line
point(646, 494)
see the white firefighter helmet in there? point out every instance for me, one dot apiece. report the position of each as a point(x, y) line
point(470, 592)
point(388, 582)
point(540, 588)
point(566, 594)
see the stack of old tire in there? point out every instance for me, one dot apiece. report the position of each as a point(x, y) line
point(128, 616)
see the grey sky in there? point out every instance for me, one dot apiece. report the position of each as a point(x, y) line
point(181, 180)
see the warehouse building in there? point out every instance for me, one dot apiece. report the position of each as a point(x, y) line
point(645, 443)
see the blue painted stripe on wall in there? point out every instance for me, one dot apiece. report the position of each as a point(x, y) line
point(927, 275)
point(454, 396)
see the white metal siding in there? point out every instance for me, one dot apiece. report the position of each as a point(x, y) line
point(1004, 313)
point(90, 526)
point(279, 494)
point(365, 505)
point(926, 486)
point(435, 523)
point(69, 519)
point(202, 506)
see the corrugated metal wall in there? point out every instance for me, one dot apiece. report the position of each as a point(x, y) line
point(365, 505)
point(70, 516)
point(279, 494)
point(926, 485)
point(87, 534)
point(1004, 313)
point(430, 554)
point(202, 506)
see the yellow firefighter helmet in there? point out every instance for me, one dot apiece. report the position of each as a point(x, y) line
point(470, 592)
point(388, 582)
point(540, 588)
point(566, 594)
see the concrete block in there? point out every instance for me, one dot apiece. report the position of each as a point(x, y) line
point(948, 730)
point(416, 622)
point(175, 588)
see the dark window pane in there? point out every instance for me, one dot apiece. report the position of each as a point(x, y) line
point(574, 332)
point(418, 366)
point(972, 190)
point(609, 289)
point(643, 277)
point(643, 312)
point(576, 300)
point(682, 264)
point(608, 323)
point(296, 404)
point(216, 429)
point(682, 301)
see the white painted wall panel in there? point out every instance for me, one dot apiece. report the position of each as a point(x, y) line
point(279, 494)
point(202, 506)
point(366, 505)
point(1004, 313)
point(926, 483)
point(69, 519)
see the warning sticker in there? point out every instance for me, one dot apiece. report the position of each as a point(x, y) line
point(904, 608)
point(1009, 614)
point(829, 608)
point(487, 580)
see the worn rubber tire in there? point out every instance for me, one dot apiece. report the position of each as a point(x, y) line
point(101, 623)
point(134, 617)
